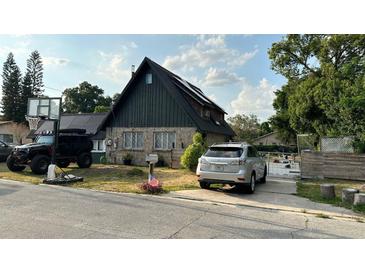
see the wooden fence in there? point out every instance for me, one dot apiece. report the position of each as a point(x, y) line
point(333, 165)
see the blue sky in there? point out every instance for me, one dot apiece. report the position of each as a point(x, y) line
point(233, 70)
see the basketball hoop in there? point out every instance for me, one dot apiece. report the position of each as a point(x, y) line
point(33, 122)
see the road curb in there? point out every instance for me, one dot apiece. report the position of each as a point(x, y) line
point(303, 211)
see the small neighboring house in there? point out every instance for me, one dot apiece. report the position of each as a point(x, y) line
point(271, 138)
point(13, 133)
point(159, 112)
point(91, 122)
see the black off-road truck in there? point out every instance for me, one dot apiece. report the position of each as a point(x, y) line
point(73, 146)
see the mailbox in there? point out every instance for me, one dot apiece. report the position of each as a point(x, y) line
point(152, 158)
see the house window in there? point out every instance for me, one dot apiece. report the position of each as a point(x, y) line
point(148, 78)
point(7, 138)
point(133, 140)
point(164, 140)
point(99, 145)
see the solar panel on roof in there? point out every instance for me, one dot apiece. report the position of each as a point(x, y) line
point(186, 84)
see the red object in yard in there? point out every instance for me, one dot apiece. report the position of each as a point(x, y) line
point(154, 182)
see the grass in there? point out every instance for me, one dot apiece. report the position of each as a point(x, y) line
point(311, 189)
point(116, 178)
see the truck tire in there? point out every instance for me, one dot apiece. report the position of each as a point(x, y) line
point(204, 185)
point(39, 164)
point(84, 160)
point(10, 162)
point(250, 189)
point(63, 163)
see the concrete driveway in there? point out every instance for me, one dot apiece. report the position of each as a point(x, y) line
point(277, 194)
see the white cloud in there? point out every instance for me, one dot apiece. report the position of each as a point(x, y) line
point(208, 50)
point(219, 77)
point(112, 67)
point(19, 48)
point(55, 61)
point(129, 45)
point(255, 99)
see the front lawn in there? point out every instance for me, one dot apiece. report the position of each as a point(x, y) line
point(311, 189)
point(118, 178)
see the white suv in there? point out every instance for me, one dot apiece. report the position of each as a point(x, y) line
point(231, 163)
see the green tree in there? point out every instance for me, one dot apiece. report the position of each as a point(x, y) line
point(11, 90)
point(35, 70)
point(25, 93)
point(325, 80)
point(265, 128)
point(84, 98)
point(193, 152)
point(101, 109)
point(246, 127)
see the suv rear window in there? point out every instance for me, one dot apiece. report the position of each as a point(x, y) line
point(224, 152)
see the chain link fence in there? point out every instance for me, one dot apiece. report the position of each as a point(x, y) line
point(325, 144)
point(337, 144)
point(306, 142)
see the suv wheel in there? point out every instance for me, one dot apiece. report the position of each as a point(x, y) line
point(204, 185)
point(10, 162)
point(63, 163)
point(84, 160)
point(39, 164)
point(252, 186)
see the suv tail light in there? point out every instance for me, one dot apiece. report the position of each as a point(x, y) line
point(203, 161)
point(238, 162)
point(241, 162)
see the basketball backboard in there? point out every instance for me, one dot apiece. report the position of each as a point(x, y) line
point(48, 108)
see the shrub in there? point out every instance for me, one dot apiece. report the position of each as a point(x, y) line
point(193, 152)
point(103, 160)
point(359, 145)
point(128, 157)
point(152, 187)
point(161, 162)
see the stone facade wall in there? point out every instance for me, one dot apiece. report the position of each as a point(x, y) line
point(115, 152)
point(349, 166)
point(212, 138)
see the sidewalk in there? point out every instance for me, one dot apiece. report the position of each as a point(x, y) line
point(276, 194)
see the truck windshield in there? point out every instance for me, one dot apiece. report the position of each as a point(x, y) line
point(224, 152)
point(44, 140)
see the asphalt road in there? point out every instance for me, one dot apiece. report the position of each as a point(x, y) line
point(31, 211)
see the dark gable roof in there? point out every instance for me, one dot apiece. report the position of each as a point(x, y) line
point(179, 89)
point(91, 122)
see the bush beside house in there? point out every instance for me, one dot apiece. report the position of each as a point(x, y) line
point(193, 152)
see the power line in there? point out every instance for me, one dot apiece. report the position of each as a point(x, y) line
point(53, 89)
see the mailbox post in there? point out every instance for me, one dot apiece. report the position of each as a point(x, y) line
point(151, 159)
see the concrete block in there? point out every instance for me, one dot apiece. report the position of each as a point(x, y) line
point(328, 191)
point(359, 199)
point(348, 195)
